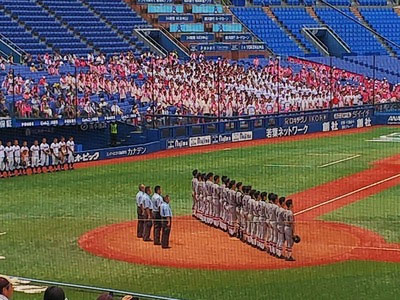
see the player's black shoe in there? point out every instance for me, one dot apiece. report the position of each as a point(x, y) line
point(290, 259)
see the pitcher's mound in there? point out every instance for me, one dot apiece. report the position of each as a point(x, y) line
point(197, 246)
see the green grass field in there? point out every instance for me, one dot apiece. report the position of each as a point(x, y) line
point(44, 216)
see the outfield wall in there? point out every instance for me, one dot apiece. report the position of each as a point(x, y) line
point(231, 131)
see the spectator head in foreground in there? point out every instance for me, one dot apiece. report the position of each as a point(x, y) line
point(6, 289)
point(54, 293)
point(105, 296)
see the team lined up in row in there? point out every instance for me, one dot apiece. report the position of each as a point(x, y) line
point(245, 213)
point(16, 160)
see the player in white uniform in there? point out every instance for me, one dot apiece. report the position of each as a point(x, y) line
point(250, 216)
point(17, 157)
point(268, 227)
point(195, 182)
point(55, 154)
point(63, 153)
point(244, 213)
point(44, 155)
point(201, 191)
point(222, 204)
point(231, 207)
point(280, 225)
point(289, 229)
point(71, 151)
point(261, 222)
point(208, 200)
point(2, 160)
point(238, 204)
point(25, 157)
point(9, 151)
point(35, 162)
point(215, 201)
point(274, 232)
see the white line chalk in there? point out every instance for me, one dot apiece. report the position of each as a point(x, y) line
point(348, 194)
point(339, 161)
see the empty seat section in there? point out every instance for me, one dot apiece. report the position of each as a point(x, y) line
point(267, 30)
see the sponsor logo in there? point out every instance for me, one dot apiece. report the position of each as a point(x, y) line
point(88, 156)
point(345, 115)
point(200, 141)
point(393, 120)
point(242, 136)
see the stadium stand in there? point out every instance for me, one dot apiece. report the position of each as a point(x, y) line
point(119, 15)
point(17, 34)
point(47, 27)
point(266, 29)
point(359, 39)
point(91, 27)
point(385, 21)
point(295, 19)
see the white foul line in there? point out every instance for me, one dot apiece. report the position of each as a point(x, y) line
point(339, 161)
point(348, 194)
point(289, 166)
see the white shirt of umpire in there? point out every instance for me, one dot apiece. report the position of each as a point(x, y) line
point(157, 201)
point(165, 210)
point(55, 147)
point(35, 156)
point(2, 297)
point(2, 157)
point(70, 151)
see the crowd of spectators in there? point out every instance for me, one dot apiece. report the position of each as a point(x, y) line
point(124, 83)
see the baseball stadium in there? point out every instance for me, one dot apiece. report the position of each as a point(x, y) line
point(199, 149)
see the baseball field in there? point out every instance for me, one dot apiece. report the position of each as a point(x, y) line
point(79, 226)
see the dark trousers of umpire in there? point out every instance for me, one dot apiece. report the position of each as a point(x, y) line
point(166, 230)
point(147, 228)
point(157, 227)
point(140, 227)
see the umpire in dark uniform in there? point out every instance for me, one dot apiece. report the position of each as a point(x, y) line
point(166, 220)
point(148, 216)
point(157, 201)
point(140, 210)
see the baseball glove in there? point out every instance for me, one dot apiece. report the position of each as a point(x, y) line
point(296, 239)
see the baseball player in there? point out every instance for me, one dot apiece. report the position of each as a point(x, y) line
point(289, 229)
point(25, 157)
point(268, 235)
point(70, 152)
point(197, 195)
point(17, 157)
point(280, 225)
point(35, 162)
point(140, 211)
point(273, 220)
point(9, 151)
point(2, 160)
point(208, 200)
point(201, 191)
point(148, 215)
point(63, 153)
point(222, 204)
point(244, 213)
point(45, 155)
point(55, 154)
point(157, 201)
point(238, 204)
point(231, 208)
point(250, 216)
point(262, 221)
point(215, 201)
point(195, 182)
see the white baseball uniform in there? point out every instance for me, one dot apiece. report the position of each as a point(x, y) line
point(55, 157)
point(17, 156)
point(71, 151)
point(9, 150)
point(2, 158)
point(25, 159)
point(44, 155)
point(35, 150)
